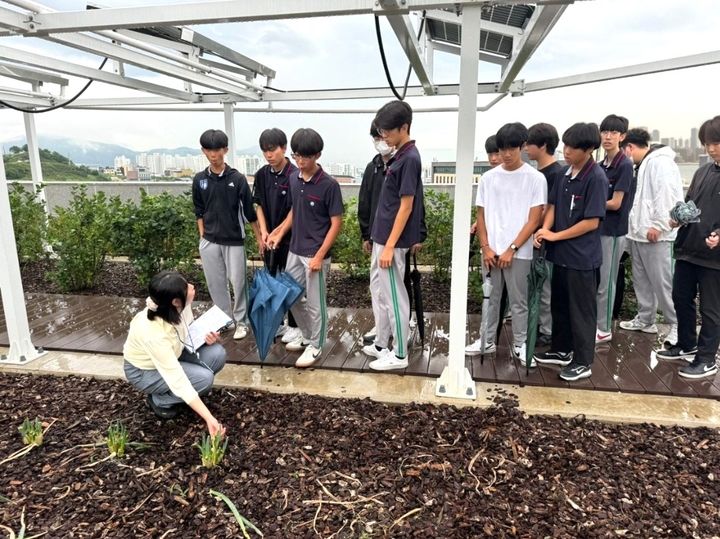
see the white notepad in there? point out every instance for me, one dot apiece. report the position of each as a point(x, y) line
point(214, 319)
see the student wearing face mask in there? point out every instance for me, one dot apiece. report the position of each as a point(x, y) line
point(370, 188)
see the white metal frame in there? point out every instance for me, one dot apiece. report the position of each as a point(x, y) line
point(193, 61)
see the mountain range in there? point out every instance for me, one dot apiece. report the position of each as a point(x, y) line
point(92, 153)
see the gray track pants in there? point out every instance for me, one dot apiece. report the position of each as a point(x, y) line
point(515, 278)
point(200, 371)
point(612, 250)
point(390, 301)
point(223, 263)
point(652, 272)
point(311, 314)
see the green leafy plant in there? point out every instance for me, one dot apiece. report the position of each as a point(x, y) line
point(117, 439)
point(437, 250)
point(347, 250)
point(158, 233)
point(31, 432)
point(212, 449)
point(80, 236)
point(29, 223)
point(241, 520)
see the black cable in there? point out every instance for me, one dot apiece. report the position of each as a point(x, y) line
point(384, 59)
point(54, 107)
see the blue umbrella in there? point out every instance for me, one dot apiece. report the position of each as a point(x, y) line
point(270, 299)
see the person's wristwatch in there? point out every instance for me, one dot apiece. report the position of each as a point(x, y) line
point(513, 248)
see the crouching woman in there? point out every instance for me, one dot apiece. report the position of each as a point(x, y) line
point(157, 359)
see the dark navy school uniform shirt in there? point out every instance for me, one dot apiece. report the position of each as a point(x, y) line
point(271, 191)
point(552, 172)
point(576, 199)
point(314, 202)
point(619, 174)
point(402, 178)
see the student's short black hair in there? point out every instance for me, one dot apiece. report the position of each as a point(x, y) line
point(491, 145)
point(394, 115)
point(544, 135)
point(306, 142)
point(613, 122)
point(165, 287)
point(638, 137)
point(271, 139)
point(582, 136)
point(213, 139)
point(512, 135)
point(710, 131)
point(374, 133)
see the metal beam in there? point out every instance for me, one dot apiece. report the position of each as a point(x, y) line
point(538, 27)
point(228, 115)
point(10, 96)
point(69, 68)
point(28, 74)
point(223, 11)
point(144, 61)
point(405, 33)
point(455, 380)
point(660, 66)
point(13, 20)
point(483, 56)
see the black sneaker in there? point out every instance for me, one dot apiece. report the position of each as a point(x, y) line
point(553, 358)
point(161, 411)
point(698, 370)
point(575, 372)
point(675, 352)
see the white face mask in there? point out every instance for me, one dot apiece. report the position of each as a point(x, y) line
point(382, 147)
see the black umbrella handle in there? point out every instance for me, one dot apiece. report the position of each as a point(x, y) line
point(415, 261)
point(542, 250)
point(270, 261)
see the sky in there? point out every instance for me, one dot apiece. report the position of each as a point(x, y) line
point(341, 52)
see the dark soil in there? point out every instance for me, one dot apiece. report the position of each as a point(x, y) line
point(302, 466)
point(119, 279)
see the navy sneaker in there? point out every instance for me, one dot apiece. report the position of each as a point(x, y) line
point(572, 372)
point(553, 358)
point(697, 369)
point(675, 352)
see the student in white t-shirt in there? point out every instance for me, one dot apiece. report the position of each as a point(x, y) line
point(510, 201)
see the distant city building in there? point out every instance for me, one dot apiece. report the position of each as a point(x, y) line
point(444, 171)
point(144, 174)
point(655, 135)
point(694, 141)
point(665, 141)
point(343, 179)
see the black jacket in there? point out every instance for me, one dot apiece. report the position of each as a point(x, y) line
point(372, 182)
point(690, 241)
point(218, 201)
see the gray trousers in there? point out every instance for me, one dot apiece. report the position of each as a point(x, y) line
point(200, 371)
point(652, 276)
point(390, 301)
point(515, 278)
point(311, 315)
point(545, 302)
point(223, 263)
point(612, 249)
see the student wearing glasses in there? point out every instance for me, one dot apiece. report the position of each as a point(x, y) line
point(315, 219)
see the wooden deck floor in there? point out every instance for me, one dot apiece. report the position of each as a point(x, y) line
point(97, 324)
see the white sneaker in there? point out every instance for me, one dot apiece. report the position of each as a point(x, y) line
point(671, 338)
point(475, 349)
point(296, 345)
point(602, 336)
point(240, 332)
point(281, 331)
point(369, 337)
point(372, 351)
point(388, 362)
point(636, 325)
point(309, 356)
point(291, 334)
point(520, 352)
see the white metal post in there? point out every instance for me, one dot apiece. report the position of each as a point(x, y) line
point(21, 348)
point(456, 380)
point(34, 157)
point(228, 110)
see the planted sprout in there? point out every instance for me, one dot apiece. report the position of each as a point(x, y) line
point(212, 449)
point(117, 439)
point(238, 517)
point(32, 432)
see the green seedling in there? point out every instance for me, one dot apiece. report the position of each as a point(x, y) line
point(117, 439)
point(32, 432)
point(212, 450)
point(240, 519)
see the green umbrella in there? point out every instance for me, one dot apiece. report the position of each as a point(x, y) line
point(536, 279)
